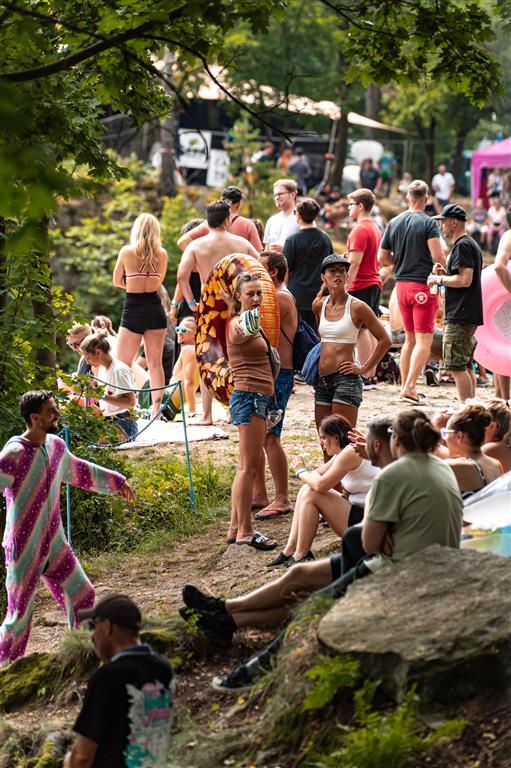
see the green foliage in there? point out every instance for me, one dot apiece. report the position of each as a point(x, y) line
point(381, 740)
point(175, 212)
point(330, 674)
point(162, 505)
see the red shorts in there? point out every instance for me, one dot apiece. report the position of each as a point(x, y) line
point(418, 307)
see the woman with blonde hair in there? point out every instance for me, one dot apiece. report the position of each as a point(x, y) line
point(140, 270)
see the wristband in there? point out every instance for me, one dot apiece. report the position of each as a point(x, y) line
point(191, 302)
point(175, 304)
point(301, 471)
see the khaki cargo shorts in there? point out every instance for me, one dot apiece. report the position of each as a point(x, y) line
point(458, 345)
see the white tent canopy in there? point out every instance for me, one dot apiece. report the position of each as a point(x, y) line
point(211, 91)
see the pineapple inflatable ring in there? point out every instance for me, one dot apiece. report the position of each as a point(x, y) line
point(210, 339)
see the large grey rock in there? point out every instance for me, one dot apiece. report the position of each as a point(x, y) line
point(441, 620)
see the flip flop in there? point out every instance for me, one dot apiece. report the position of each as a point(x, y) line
point(420, 400)
point(273, 512)
point(259, 541)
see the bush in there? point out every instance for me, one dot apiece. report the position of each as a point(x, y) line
point(162, 503)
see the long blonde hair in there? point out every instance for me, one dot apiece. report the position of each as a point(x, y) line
point(145, 240)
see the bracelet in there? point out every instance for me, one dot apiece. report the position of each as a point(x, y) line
point(301, 471)
point(191, 302)
point(175, 304)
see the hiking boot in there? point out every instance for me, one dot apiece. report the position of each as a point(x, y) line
point(217, 627)
point(194, 598)
point(236, 681)
point(281, 559)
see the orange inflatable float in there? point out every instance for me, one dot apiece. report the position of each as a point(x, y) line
point(210, 339)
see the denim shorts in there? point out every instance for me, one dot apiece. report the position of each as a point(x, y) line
point(128, 426)
point(283, 389)
point(244, 405)
point(339, 388)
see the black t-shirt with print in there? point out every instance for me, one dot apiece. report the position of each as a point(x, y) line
point(127, 710)
point(407, 237)
point(465, 305)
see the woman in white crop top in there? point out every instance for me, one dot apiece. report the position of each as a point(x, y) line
point(340, 317)
point(319, 497)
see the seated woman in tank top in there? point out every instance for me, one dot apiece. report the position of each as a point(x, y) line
point(340, 318)
point(318, 496)
point(464, 436)
point(140, 270)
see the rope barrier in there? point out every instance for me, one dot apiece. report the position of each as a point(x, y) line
point(130, 389)
point(67, 430)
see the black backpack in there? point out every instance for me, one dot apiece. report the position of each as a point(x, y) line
point(305, 339)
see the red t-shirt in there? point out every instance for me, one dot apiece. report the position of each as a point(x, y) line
point(365, 237)
point(240, 226)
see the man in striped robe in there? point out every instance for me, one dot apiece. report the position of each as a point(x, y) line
point(32, 468)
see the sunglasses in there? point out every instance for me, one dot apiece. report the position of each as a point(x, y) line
point(182, 329)
point(444, 432)
point(74, 344)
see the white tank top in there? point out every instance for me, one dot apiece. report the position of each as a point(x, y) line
point(358, 482)
point(342, 331)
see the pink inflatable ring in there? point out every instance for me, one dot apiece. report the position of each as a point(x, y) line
point(494, 337)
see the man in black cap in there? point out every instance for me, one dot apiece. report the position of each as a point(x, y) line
point(239, 225)
point(463, 299)
point(126, 713)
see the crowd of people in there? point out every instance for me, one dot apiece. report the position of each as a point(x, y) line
point(386, 493)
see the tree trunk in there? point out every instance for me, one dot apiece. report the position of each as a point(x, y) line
point(168, 186)
point(457, 165)
point(430, 150)
point(341, 149)
point(372, 99)
point(42, 307)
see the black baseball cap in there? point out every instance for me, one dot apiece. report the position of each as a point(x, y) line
point(452, 211)
point(234, 194)
point(333, 260)
point(120, 609)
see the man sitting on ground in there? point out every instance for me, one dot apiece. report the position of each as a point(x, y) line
point(400, 519)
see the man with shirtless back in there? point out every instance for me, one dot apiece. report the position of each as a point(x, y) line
point(276, 265)
point(201, 256)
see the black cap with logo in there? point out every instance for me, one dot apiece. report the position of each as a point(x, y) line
point(333, 260)
point(119, 609)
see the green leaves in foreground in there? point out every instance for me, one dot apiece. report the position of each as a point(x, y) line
point(386, 739)
point(330, 674)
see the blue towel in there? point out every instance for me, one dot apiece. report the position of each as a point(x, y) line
point(310, 370)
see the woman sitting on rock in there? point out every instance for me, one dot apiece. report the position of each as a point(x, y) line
point(319, 497)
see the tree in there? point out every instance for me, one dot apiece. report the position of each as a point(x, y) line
point(61, 62)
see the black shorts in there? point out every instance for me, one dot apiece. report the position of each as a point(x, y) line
point(370, 295)
point(143, 312)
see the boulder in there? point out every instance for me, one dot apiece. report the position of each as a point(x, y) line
point(440, 620)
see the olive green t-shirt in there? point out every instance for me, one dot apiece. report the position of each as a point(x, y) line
point(419, 497)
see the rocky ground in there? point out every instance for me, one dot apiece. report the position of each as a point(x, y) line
point(155, 582)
